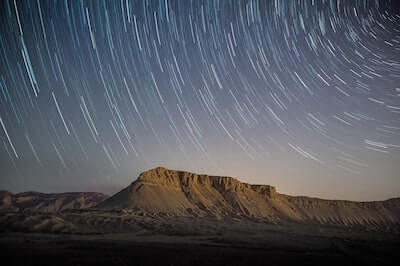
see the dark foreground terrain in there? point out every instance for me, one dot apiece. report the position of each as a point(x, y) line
point(218, 242)
point(80, 250)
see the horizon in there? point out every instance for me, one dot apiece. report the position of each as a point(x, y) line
point(112, 190)
point(300, 95)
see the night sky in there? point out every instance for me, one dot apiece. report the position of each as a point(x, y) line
point(300, 94)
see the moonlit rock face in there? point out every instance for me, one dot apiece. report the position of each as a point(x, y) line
point(184, 180)
point(161, 191)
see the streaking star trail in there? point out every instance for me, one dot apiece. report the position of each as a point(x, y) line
point(304, 95)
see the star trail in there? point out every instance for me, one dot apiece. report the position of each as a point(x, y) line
point(301, 94)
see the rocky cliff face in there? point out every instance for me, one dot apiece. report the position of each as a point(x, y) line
point(52, 202)
point(183, 193)
point(179, 193)
point(186, 180)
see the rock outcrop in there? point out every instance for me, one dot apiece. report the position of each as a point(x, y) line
point(183, 193)
point(179, 193)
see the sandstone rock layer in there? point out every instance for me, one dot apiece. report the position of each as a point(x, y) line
point(180, 193)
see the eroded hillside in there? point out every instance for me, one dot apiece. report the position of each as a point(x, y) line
point(179, 193)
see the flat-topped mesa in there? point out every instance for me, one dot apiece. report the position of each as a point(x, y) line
point(179, 193)
point(185, 180)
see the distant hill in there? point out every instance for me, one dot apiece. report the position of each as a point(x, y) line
point(48, 202)
point(180, 193)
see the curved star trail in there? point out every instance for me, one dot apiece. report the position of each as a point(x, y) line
point(304, 95)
